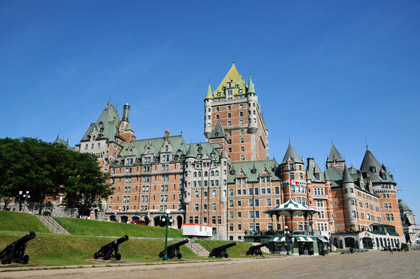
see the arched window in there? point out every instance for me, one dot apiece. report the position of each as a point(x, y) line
point(199, 174)
point(217, 173)
point(195, 174)
point(205, 173)
point(212, 173)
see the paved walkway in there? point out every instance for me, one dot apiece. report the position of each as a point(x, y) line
point(360, 265)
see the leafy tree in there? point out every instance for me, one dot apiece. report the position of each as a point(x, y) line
point(87, 185)
point(46, 169)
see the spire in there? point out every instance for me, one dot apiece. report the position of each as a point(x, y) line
point(190, 152)
point(218, 131)
point(290, 152)
point(251, 87)
point(209, 93)
point(346, 176)
point(334, 155)
point(369, 161)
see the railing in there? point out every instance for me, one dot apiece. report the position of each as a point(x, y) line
point(52, 224)
point(280, 233)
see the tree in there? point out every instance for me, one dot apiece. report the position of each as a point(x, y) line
point(87, 185)
point(46, 170)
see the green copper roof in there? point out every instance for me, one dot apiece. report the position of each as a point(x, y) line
point(253, 170)
point(313, 172)
point(334, 155)
point(218, 131)
point(209, 94)
point(291, 153)
point(335, 176)
point(347, 176)
point(106, 125)
point(251, 87)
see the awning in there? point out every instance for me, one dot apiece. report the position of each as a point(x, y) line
point(278, 239)
point(323, 240)
point(305, 239)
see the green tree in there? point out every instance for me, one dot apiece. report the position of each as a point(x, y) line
point(87, 185)
point(46, 169)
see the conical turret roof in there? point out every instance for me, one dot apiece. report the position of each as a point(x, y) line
point(251, 87)
point(334, 155)
point(218, 131)
point(291, 153)
point(347, 176)
point(209, 94)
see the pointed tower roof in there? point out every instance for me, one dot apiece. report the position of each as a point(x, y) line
point(190, 152)
point(251, 87)
point(370, 161)
point(290, 152)
point(223, 155)
point(347, 176)
point(239, 84)
point(313, 172)
point(218, 131)
point(209, 94)
point(334, 155)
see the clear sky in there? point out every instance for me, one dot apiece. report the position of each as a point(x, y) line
point(341, 71)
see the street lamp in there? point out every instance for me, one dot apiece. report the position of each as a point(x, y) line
point(23, 196)
point(287, 234)
point(166, 218)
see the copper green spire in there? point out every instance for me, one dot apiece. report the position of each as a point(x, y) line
point(251, 87)
point(209, 94)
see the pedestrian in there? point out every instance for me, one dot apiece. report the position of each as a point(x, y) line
point(390, 249)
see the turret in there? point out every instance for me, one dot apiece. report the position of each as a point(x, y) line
point(208, 101)
point(188, 175)
point(252, 108)
point(350, 199)
point(126, 112)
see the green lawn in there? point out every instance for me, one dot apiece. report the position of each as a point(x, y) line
point(21, 222)
point(101, 228)
point(78, 250)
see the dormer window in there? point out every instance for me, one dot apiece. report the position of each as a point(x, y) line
point(373, 169)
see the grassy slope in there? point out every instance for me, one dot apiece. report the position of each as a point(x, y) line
point(79, 250)
point(21, 222)
point(237, 251)
point(98, 228)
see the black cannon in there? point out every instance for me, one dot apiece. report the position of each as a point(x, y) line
point(173, 250)
point(255, 250)
point(220, 252)
point(16, 251)
point(111, 249)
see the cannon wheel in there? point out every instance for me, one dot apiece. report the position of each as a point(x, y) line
point(248, 253)
point(25, 259)
point(179, 255)
point(118, 256)
point(226, 255)
point(96, 256)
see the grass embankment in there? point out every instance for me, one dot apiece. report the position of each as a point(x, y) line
point(100, 228)
point(238, 251)
point(21, 222)
point(78, 250)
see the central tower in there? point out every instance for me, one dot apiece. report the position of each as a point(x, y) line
point(235, 105)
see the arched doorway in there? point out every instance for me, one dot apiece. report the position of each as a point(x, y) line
point(179, 222)
point(135, 218)
point(349, 242)
point(124, 219)
point(367, 243)
point(156, 221)
point(112, 218)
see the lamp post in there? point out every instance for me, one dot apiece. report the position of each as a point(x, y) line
point(166, 218)
point(287, 234)
point(23, 196)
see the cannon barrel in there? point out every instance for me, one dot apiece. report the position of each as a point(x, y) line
point(26, 238)
point(178, 244)
point(120, 240)
point(224, 247)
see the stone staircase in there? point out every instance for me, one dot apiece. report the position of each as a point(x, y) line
point(52, 224)
point(198, 249)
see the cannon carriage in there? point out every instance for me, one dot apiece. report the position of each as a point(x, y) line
point(173, 250)
point(111, 249)
point(255, 250)
point(220, 252)
point(15, 252)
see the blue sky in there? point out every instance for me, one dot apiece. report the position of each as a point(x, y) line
point(341, 71)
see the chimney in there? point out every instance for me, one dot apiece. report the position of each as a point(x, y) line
point(166, 134)
point(125, 113)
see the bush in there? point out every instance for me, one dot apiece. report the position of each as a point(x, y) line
point(404, 247)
